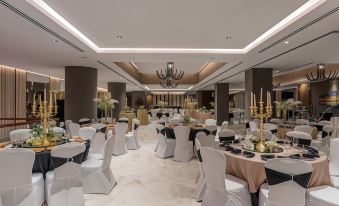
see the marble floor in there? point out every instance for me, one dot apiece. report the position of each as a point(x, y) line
point(146, 180)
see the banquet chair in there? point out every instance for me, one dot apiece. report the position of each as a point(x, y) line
point(226, 135)
point(100, 156)
point(224, 125)
point(334, 162)
point(304, 128)
point(67, 123)
point(18, 186)
point(74, 129)
point(222, 189)
point(154, 115)
point(236, 117)
point(324, 122)
point(209, 122)
point(87, 133)
point(302, 122)
point(165, 146)
point(267, 133)
point(84, 120)
point(132, 138)
point(205, 140)
point(212, 129)
point(20, 135)
point(59, 130)
point(253, 125)
point(120, 147)
point(201, 183)
point(175, 121)
point(303, 137)
point(257, 121)
point(183, 147)
point(62, 124)
point(96, 174)
point(63, 185)
point(323, 142)
point(98, 142)
point(287, 181)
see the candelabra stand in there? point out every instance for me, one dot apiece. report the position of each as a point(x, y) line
point(45, 113)
point(261, 115)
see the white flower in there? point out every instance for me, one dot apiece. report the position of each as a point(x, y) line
point(113, 101)
point(97, 100)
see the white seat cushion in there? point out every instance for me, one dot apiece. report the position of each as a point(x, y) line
point(234, 183)
point(322, 195)
point(37, 178)
point(95, 157)
point(237, 191)
point(129, 135)
point(91, 164)
point(335, 181)
point(263, 195)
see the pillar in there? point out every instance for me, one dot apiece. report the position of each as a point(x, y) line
point(255, 79)
point(221, 99)
point(118, 92)
point(80, 90)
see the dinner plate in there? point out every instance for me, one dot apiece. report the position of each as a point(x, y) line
point(267, 157)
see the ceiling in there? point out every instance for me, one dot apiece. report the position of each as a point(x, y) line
point(189, 24)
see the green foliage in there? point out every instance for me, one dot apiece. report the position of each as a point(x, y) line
point(186, 120)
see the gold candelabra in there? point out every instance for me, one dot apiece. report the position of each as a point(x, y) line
point(45, 113)
point(261, 115)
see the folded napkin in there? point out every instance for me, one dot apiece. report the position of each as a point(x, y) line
point(311, 150)
point(312, 156)
point(236, 151)
point(294, 156)
point(267, 157)
point(248, 154)
point(229, 148)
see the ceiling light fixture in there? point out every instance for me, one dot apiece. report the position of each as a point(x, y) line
point(120, 37)
point(146, 87)
point(55, 41)
point(297, 14)
point(228, 37)
point(286, 42)
point(320, 74)
point(189, 88)
point(170, 76)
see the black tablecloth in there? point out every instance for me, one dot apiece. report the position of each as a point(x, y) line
point(43, 160)
point(170, 133)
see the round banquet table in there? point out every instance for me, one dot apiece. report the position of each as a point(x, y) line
point(252, 169)
point(43, 160)
point(169, 132)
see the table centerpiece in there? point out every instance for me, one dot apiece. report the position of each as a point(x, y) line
point(106, 104)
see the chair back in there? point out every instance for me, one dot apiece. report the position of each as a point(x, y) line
point(302, 122)
point(304, 128)
point(334, 157)
point(209, 122)
point(211, 129)
point(276, 121)
point(324, 122)
point(98, 126)
point(135, 127)
point(120, 131)
point(16, 175)
point(288, 180)
point(62, 124)
point(84, 120)
point(74, 129)
point(67, 160)
point(154, 114)
point(303, 137)
point(20, 135)
point(271, 127)
point(226, 135)
point(224, 125)
point(175, 121)
point(67, 123)
point(181, 134)
point(253, 125)
point(58, 130)
point(108, 151)
point(87, 132)
point(205, 140)
point(161, 136)
point(214, 166)
point(267, 133)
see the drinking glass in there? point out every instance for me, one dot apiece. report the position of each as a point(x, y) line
point(295, 143)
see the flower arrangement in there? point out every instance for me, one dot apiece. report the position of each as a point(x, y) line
point(162, 104)
point(106, 104)
point(186, 120)
point(37, 136)
point(269, 145)
point(286, 106)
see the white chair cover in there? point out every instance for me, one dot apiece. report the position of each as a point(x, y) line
point(287, 192)
point(63, 185)
point(226, 135)
point(120, 147)
point(267, 133)
point(253, 125)
point(165, 147)
point(224, 125)
point(74, 129)
point(87, 133)
point(325, 141)
point(334, 162)
point(96, 174)
point(221, 189)
point(18, 187)
point(302, 122)
point(175, 121)
point(205, 140)
point(324, 122)
point(61, 124)
point(154, 115)
point(276, 121)
point(98, 142)
point(184, 147)
point(132, 138)
point(270, 126)
point(201, 184)
point(20, 135)
point(322, 196)
point(67, 123)
point(209, 122)
point(84, 120)
point(304, 128)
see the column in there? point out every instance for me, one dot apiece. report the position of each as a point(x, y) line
point(255, 79)
point(80, 90)
point(221, 99)
point(118, 92)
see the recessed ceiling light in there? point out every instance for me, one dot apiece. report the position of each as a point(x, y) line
point(55, 40)
point(228, 37)
point(286, 42)
point(120, 37)
point(277, 71)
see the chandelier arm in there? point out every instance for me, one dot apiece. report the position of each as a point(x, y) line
point(330, 75)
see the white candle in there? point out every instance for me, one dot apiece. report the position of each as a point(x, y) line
point(261, 94)
point(45, 96)
point(50, 98)
point(251, 99)
point(34, 100)
point(255, 101)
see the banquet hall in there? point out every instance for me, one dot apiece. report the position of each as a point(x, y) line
point(169, 103)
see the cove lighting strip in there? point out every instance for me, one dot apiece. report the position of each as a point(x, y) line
point(56, 17)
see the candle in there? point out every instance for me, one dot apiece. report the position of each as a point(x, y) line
point(255, 101)
point(34, 99)
point(251, 99)
point(40, 100)
point(55, 99)
point(50, 98)
point(261, 94)
point(45, 96)
point(270, 100)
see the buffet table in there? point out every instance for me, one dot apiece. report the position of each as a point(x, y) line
point(130, 116)
point(142, 116)
point(252, 169)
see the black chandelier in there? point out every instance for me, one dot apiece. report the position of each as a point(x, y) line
point(275, 84)
point(170, 76)
point(320, 74)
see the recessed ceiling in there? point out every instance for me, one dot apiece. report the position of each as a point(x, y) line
point(151, 67)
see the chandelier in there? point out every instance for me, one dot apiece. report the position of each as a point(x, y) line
point(320, 74)
point(275, 84)
point(170, 76)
